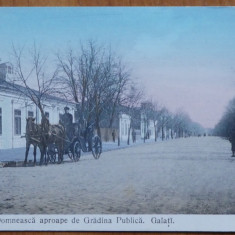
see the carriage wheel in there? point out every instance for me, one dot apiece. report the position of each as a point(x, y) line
point(76, 151)
point(51, 157)
point(70, 154)
point(96, 147)
point(60, 159)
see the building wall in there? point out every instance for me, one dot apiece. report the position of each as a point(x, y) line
point(143, 126)
point(9, 103)
point(106, 134)
point(147, 127)
point(124, 124)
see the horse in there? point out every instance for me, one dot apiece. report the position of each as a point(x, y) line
point(56, 136)
point(33, 136)
point(42, 136)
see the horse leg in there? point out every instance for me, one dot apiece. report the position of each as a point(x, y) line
point(60, 154)
point(34, 154)
point(42, 149)
point(26, 153)
point(62, 151)
point(46, 158)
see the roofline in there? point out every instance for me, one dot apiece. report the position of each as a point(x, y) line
point(14, 91)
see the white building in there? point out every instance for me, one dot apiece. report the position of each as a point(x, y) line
point(124, 125)
point(147, 126)
point(14, 109)
point(151, 129)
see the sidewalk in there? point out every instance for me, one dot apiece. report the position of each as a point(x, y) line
point(18, 154)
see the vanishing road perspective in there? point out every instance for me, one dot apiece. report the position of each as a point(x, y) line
point(192, 175)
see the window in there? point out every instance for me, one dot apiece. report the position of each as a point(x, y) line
point(17, 115)
point(122, 133)
point(30, 114)
point(76, 115)
point(0, 121)
point(47, 114)
point(60, 116)
point(10, 70)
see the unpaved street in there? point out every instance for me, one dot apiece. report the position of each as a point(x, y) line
point(192, 175)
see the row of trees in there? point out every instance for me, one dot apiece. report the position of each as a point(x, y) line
point(178, 125)
point(100, 85)
point(226, 126)
point(93, 78)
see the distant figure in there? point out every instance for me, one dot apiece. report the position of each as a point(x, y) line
point(232, 141)
point(148, 135)
point(133, 136)
point(113, 135)
point(167, 136)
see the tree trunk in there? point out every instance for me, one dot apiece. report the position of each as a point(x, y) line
point(129, 132)
point(162, 133)
point(107, 134)
point(97, 124)
point(155, 133)
point(144, 131)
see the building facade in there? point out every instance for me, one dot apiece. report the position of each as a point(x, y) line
point(14, 109)
point(124, 125)
point(147, 128)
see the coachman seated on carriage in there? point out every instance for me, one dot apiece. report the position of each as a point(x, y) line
point(67, 121)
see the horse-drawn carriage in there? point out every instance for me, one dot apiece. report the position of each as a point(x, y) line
point(76, 141)
point(54, 141)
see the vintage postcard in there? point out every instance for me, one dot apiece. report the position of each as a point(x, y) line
point(117, 119)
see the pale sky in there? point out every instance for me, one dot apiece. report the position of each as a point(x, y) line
point(184, 57)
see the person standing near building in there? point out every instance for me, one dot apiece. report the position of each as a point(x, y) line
point(114, 135)
point(133, 136)
point(232, 141)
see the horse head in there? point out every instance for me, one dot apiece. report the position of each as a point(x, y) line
point(30, 125)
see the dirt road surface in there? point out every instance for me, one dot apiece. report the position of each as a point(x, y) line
point(182, 176)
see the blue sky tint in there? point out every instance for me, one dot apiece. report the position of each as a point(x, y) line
point(185, 57)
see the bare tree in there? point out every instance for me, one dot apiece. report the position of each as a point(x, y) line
point(178, 121)
point(184, 126)
point(164, 119)
point(154, 112)
point(226, 126)
point(147, 116)
point(96, 80)
point(122, 80)
point(31, 80)
point(68, 77)
point(132, 102)
point(76, 76)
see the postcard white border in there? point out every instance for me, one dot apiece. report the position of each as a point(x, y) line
point(99, 222)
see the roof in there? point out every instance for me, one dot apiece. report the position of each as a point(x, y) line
point(6, 64)
point(18, 89)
